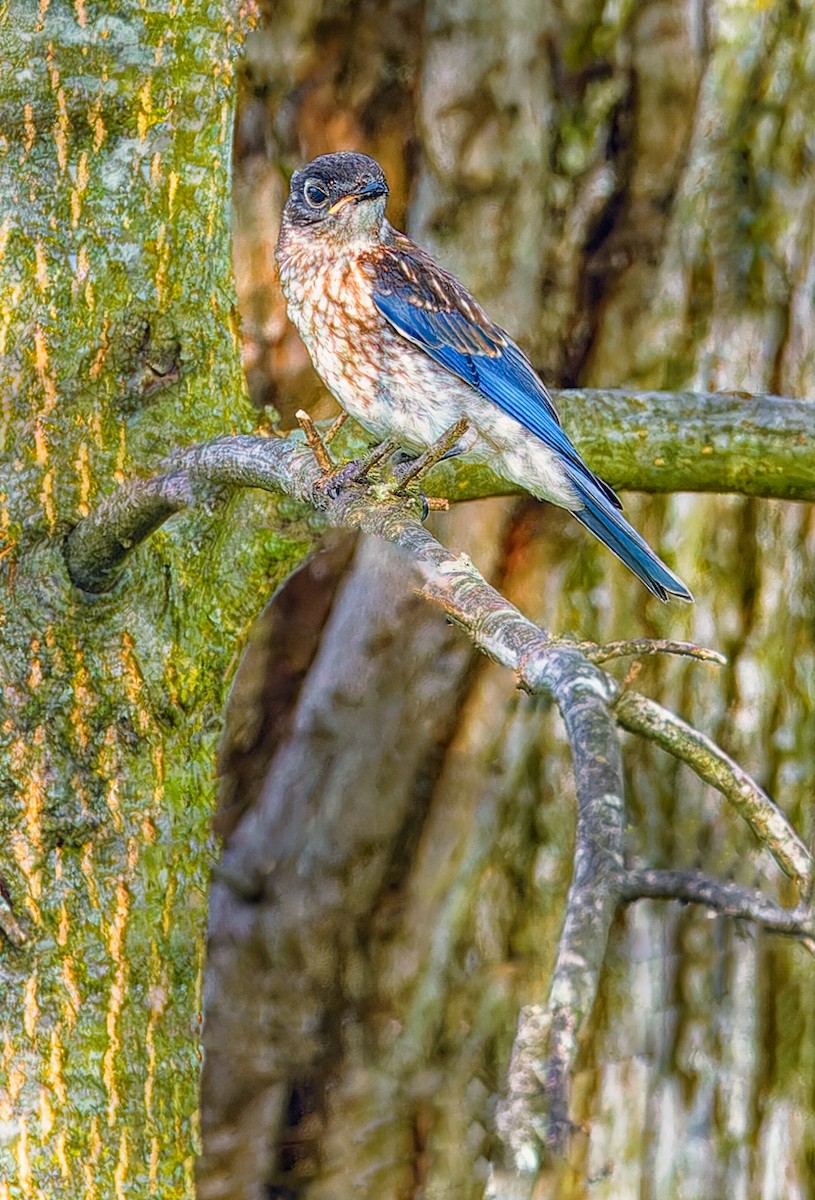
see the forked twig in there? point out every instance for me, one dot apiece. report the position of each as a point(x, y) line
point(315, 441)
point(434, 454)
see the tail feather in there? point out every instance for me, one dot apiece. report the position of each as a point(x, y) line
point(610, 526)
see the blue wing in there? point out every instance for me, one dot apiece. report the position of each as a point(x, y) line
point(432, 309)
point(429, 307)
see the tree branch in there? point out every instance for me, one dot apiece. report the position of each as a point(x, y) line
point(730, 899)
point(583, 692)
point(760, 446)
point(96, 550)
point(543, 1056)
point(730, 442)
point(700, 442)
point(535, 1112)
point(641, 715)
point(640, 647)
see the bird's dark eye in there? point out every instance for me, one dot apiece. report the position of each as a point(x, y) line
point(315, 193)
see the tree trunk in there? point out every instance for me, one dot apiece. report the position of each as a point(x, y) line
point(118, 341)
point(628, 193)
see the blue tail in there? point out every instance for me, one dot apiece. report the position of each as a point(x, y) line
point(608, 524)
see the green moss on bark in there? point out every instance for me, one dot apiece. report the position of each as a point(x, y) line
point(119, 341)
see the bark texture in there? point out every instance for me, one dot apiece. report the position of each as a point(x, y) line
point(628, 191)
point(117, 340)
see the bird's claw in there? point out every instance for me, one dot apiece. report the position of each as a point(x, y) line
point(407, 467)
point(463, 446)
point(334, 482)
point(335, 479)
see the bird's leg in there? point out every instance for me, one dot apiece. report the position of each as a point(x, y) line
point(376, 455)
point(453, 442)
point(464, 444)
point(358, 469)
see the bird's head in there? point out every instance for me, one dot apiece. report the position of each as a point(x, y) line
point(339, 196)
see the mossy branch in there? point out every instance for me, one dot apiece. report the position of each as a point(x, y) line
point(756, 445)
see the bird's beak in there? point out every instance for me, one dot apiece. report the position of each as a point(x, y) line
point(371, 191)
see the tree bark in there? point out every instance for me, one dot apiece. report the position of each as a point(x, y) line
point(118, 341)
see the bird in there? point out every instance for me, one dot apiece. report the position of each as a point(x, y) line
point(407, 351)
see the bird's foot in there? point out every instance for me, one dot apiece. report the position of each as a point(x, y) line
point(464, 444)
point(406, 468)
point(402, 459)
point(333, 482)
point(335, 479)
point(358, 470)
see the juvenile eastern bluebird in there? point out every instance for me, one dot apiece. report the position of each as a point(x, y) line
point(407, 351)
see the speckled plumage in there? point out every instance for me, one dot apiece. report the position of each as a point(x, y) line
point(406, 350)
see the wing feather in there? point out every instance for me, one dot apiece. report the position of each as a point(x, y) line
point(430, 308)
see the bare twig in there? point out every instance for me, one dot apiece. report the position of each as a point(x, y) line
point(730, 899)
point(315, 441)
point(335, 477)
point(644, 646)
point(334, 428)
point(641, 715)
